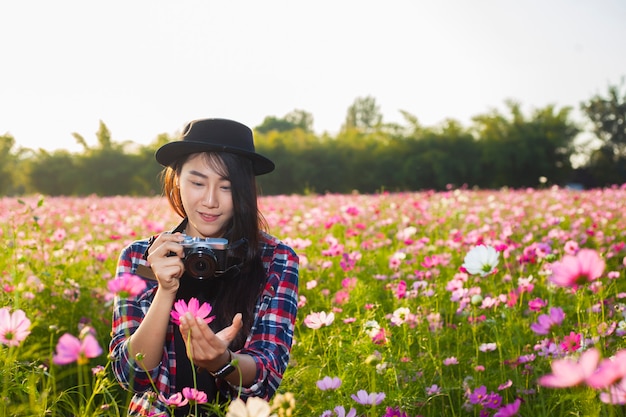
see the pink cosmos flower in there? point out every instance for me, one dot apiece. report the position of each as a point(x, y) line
point(452, 360)
point(342, 297)
point(363, 398)
point(194, 396)
point(610, 371)
point(545, 322)
point(318, 320)
point(194, 307)
point(59, 234)
point(571, 247)
point(71, 349)
point(380, 338)
point(575, 270)
point(506, 385)
point(13, 327)
point(487, 347)
point(340, 411)
point(328, 383)
point(433, 390)
point(127, 285)
point(174, 400)
point(616, 394)
point(569, 372)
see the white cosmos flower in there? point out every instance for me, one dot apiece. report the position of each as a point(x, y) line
point(371, 327)
point(253, 407)
point(481, 260)
point(317, 320)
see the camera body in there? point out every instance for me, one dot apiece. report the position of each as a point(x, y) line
point(205, 257)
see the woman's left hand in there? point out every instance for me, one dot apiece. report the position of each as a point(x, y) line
point(205, 348)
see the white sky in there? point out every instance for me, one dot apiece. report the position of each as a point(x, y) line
point(146, 67)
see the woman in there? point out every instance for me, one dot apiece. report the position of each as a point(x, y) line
point(209, 180)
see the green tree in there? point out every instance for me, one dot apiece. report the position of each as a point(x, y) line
point(8, 162)
point(55, 173)
point(517, 151)
point(297, 119)
point(364, 114)
point(607, 164)
point(108, 168)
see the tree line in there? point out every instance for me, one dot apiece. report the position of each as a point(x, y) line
point(500, 149)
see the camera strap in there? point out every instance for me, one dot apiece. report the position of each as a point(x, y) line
point(234, 262)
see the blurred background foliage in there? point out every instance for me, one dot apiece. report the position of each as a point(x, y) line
point(499, 149)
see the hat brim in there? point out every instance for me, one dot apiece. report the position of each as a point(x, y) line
point(169, 153)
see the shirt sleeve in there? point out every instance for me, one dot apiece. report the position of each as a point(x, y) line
point(271, 335)
point(127, 315)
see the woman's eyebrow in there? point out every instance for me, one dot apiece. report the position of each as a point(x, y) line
point(197, 173)
point(201, 175)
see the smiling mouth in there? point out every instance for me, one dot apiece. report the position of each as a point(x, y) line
point(209, 217)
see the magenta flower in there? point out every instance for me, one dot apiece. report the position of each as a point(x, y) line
point(380, 338)
point(536, 304)
point(328, 383)
point(571, 343)
point(318, 320)
point(509, 410)
point(363, 398)
point(394, 412)
point(194, 396)
point(194, 307)
point(127, 285)
point(71, 349)
point(13, 327)
point(174, 400)
point(400, 291)
point(545, 322)
point(569, 372)
point(478, 396)
point(575, 270)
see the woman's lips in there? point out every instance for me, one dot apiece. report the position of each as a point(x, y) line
point(208, 217)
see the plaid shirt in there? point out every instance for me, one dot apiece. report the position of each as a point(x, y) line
point(269, 341)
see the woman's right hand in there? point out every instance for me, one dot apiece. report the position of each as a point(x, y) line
point(165, 258)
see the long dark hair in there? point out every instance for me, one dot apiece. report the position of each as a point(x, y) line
point(236, 293)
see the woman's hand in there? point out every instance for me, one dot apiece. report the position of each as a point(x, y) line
point(207, 349)
point(165, 258)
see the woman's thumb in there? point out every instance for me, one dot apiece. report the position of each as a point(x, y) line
point(229, 333)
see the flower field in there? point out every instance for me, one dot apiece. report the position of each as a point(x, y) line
point(458, 303)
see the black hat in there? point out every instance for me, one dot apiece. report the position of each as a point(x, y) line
point(217, 135)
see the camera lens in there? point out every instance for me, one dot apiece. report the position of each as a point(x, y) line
point(201, 264)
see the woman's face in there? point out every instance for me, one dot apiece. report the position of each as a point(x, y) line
point(206, 197)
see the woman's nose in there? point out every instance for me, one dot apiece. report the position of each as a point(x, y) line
point(210, 198)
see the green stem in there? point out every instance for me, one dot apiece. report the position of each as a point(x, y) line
point(193, 371)
point(8, 360)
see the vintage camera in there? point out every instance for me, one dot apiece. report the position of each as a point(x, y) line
point(205, 257)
